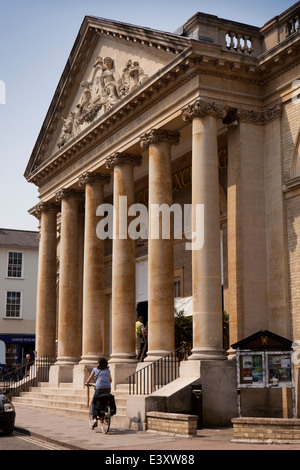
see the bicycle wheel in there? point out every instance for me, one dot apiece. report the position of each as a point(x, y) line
point(91, 425)
point(105, 421)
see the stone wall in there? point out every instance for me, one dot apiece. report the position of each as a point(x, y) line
point(174, 423)
point(267, 430)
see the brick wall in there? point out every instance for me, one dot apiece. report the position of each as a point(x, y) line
point(266, 429)
point(174, 423)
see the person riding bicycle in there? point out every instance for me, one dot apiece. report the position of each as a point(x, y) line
point(101, 373)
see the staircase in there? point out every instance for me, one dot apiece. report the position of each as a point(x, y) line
point(67, 401)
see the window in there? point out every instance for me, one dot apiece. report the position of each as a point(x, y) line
point(177, 288)
point(15, 264)
point(13, 304)
point(178, 283)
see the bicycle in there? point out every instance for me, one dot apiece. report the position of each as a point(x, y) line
point(103, 412)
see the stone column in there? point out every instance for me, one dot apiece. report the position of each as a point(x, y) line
point(160, 249)
point(46, 287)
point(123, 264)
point(93, 271)
point(68, 348)
point(206, 261)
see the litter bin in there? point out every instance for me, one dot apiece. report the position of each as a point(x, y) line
point(196, 401)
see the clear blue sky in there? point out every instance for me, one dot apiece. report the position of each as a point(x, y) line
point(36, 37)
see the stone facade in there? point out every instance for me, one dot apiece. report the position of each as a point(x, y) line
point(207, 117)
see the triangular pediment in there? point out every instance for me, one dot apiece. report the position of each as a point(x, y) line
point(109, 61)
point(262, 340)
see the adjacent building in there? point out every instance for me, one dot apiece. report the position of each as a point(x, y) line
point(18, 280)
point(204, 121)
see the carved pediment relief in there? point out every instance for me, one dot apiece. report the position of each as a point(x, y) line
point(105, 87)
point(109, 61)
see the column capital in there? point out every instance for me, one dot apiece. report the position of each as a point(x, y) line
point(67, 193)
point(119, 158)
point(201, 108)
point(90, 177)
point(37, 210)
point(156, 136)
point(260, 117)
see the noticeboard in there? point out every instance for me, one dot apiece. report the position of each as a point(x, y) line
point(264, 369)
point(264, 360)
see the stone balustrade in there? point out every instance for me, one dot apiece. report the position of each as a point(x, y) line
point(239, 42)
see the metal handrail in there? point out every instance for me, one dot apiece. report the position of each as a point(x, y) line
point(158, 373)
point(18, 381)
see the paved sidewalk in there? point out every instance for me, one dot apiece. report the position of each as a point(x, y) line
point(75, 434)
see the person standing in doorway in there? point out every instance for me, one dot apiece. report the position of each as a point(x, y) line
point(140, 336)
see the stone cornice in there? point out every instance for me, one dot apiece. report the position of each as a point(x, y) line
point(90, 177)
point(119, 158)
point(169, 42)
point(201, 108)
point(292, 186)
point(156, 136)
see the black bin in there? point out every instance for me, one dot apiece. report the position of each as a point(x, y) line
point(196, 402)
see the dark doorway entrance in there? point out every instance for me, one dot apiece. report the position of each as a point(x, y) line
point(142, 311)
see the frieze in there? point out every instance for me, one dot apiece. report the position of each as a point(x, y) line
point(106, 87)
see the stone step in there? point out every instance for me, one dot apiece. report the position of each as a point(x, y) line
point(72, 412)
point(51, 402)
point(57, 392)
point(67, 401)
point(118, 420)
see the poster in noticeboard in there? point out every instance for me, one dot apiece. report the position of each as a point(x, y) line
point(251, 369)
point(279, 366)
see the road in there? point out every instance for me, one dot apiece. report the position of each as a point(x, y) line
point(18, 441)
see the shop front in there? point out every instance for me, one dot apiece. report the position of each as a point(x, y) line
point(16, 348)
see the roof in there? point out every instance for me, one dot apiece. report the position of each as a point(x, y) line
point(19, 238)
point(263, 340)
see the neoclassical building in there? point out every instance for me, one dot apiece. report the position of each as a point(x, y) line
point(207, 117)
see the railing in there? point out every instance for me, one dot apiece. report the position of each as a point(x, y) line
point(293, 25)
point(236, 42)
point(158, 373)
point(21, 378)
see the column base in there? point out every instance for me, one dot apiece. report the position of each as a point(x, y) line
point(208, 354)
point(119, 358)
point(155, 355)
point(67, 360)
point(92, 360)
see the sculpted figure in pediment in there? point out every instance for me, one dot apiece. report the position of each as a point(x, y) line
point(67, 130)
point(132, 76)
point(102, 91)
point(106, 82)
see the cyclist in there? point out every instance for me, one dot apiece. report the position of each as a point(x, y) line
point(101, 373)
